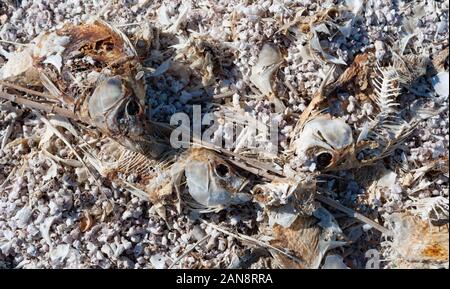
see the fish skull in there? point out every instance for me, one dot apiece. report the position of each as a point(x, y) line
point(324, 140)
point(116, 110)
point(212, 182)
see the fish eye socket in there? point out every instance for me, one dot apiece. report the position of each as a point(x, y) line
point(120, 114)
point(132, 108)
point(222, 170)
point(323, 160)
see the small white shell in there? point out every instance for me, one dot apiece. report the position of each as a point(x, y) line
point(387, 180)
point(158, 261)
point(60, 253)
point(23, 216)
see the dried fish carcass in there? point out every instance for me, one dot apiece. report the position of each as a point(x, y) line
point(332, 144)
point(201, 178)
point(417, 242)
point(303, 240)
point(93, 70)
point(212, 182)
point(146, 178)
point(203, 54)
point(294, 223)
point(318, 33)
point(327, 141)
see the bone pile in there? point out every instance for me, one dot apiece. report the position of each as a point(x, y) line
point(357, 178)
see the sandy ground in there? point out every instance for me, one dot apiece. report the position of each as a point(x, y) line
point(42, 201)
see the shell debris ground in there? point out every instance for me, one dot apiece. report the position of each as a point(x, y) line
point(358, 89)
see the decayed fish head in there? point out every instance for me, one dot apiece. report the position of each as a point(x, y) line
point(213, 182)
point(116, 109)
point(109, 92)
point(326, 141)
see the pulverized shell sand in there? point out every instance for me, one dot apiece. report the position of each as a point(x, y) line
point(264, 60)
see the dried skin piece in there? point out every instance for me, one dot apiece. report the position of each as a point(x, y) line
point(143, 40)
point(86, 222)
point(356, 78)
point(440, 61)
point(410, 67)
point(416, 240)
point(93, 70)
point(303, 239)
point(205, 55)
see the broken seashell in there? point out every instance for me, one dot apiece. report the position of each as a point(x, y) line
point(158, 261)
point(51, 172)
point(44, 228)
point(23, 216)
point(388, 180)
point(60, 253)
